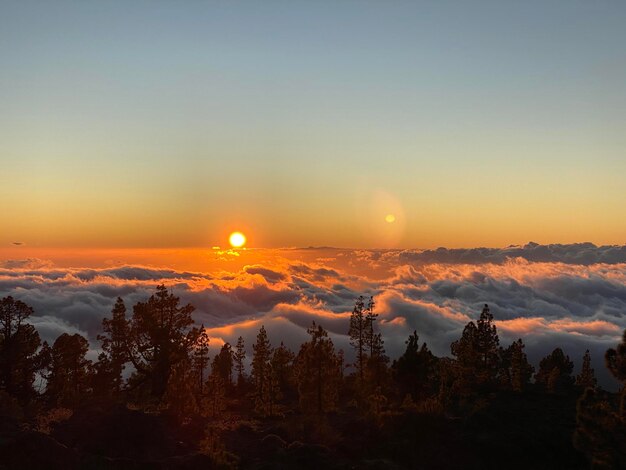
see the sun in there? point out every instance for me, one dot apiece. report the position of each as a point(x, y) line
point(237, 239)
point(390, 218)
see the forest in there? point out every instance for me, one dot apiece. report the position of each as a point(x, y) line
point(155, 398)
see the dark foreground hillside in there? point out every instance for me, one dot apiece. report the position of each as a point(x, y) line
point(531, 430)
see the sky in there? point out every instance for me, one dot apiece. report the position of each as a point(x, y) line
point(146, 125)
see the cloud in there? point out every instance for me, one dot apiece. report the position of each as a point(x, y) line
point(543, 296)
point(268, 274)
point(538, 325)
point(29, 263)
point(575, 253)
point(50, 328)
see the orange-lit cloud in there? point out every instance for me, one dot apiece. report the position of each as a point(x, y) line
point(539, 325)
point(576, 305)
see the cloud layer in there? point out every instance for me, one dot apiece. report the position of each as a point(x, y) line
point(572, 296)
point(575, 253)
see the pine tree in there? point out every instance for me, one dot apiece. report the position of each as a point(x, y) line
point(317, 372)
point(215, 401)
point(358, 332)
point(342, 362)
point(587, 376)
point(282, 370)
point(487, 343)
point(261, 370)
point(222, 365)
point(114, 339)
point(370, 319)
point(239, 358)
point(376, 401)
point(272, 392)
point(67, 382)
point(616, 363)
point(447, 371)
point(477, 354)
point(182, 397)
point(160, 336)
point(415, 370)
point(201, 359)
point(377, 370)
point(466, 351)
point(19, 342)
point(600, 430)
point(600, 422)
point(555, 371)
point(515, 371)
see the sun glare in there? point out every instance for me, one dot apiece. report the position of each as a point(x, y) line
point(237, 239)
point(390, 218)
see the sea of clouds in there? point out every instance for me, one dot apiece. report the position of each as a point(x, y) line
point(571, 296)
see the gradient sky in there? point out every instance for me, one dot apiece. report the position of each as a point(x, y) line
point(169, 124)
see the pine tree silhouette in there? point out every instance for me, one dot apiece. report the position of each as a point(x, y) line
point(201, 360)
point(555, 372)
point(115, 351)
point(375, 344)
point(161, 334)
point(68, 379)
point(616, 363)
point(487, 345)
point(317, 372)
point(261, 373)
point(415, 369)
point(515, 372)
point(19, 343)
point(239, 357)
point(600, 422)
point(358, 333)
point(282, 369)
point(587, 376)
point(222, 365)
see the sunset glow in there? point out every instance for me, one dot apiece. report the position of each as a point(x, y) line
point(313, 162)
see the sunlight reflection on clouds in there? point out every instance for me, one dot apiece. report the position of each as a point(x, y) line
point(579, 305)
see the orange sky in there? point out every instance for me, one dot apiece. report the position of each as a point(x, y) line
point(192, 259)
